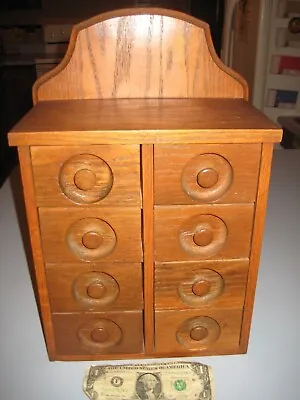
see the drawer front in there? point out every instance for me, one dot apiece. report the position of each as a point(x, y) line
point(201, 232)
point(95, 287)
point(98, 333)
point(86, 175)
point(190, 174)
point(91, 235)
point(202, 284)
point(213, 332)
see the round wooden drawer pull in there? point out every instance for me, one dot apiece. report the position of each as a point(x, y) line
point(92, 240)
point(199, 333)
point(94, 290)
point(100, 335)
point(85, 179)
point(207, 178)
point(203, 237)
point(204, 287)
point(201, 288)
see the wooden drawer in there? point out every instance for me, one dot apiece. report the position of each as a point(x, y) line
point(90, 235)
point(201, 232)
point(202, 284)
point(213, 332)
point(96, 287)
point(98, 333)
point(190, 174)
point(86, 175)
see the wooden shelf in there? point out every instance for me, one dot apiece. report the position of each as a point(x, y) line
point(275, 112)
point(283, 82)
point(286, 51)
point(143, 121)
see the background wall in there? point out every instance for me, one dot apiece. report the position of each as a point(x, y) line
point(77, 10)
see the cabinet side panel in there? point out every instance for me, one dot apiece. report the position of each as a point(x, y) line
point(257, 238)
point(35, 239)
point(148, 243)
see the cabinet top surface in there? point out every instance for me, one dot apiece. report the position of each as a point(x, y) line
point(140, 121)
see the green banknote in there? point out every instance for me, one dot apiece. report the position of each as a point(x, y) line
point(165, 381)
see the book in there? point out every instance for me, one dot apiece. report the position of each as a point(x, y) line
point(281, 98)
point(285, 65)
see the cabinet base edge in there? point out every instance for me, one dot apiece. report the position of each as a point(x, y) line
point(108, 357)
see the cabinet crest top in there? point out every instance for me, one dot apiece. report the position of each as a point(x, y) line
point(140, 53)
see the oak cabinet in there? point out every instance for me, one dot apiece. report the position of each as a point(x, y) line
point(146, 214)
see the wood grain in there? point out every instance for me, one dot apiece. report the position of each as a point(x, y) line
point(226, 284)
point(176, 168)
point(168, 323)
point(173, 222)
point(129, 325)
point(69, 285)
point(142, 121)
point(145, 77)
point(124, 162)
point(148, 245)
point(258, 230)
point(36, 246)
point(125, 223)
point(140, 53)
point(142, 355)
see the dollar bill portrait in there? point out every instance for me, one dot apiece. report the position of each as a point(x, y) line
point(148, 387)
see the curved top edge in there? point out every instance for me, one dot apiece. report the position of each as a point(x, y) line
point(127, 12)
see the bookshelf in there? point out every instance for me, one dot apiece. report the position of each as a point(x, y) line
point(282, 90)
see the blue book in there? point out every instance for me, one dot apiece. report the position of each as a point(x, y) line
point(286, 96)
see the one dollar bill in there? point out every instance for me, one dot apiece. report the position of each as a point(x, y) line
point(171, 381)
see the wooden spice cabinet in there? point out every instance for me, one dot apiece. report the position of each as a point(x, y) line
point(145, 199)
